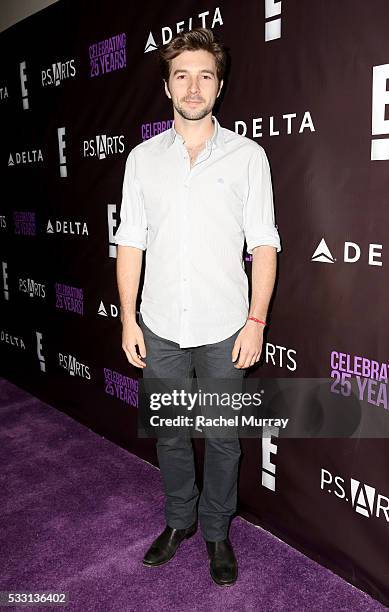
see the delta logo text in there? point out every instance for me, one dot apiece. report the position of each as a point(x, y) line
point(3, 93)
point(15, 341)
point(352, 253)
point(204, 20)
point(66, 226)
point(33, 156)
point(285, 125)
point(363, 498)
point(108, 55)
point(108, 311)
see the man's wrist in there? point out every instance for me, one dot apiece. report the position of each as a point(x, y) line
point(259, 322)
point(128, 317)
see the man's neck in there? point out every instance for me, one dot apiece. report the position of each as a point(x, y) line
point(194, 133)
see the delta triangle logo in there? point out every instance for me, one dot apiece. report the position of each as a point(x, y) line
point(323, 253)
point(102, 311)
point(151, 44)
point(49, 229)
point(10, 160)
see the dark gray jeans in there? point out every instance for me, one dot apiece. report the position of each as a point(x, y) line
point(218, 500)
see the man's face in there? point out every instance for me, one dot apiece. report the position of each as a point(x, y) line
point(193, 85)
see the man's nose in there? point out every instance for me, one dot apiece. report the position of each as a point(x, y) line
point(194, 85)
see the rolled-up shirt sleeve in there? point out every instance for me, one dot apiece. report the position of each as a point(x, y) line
point(258, 213)
point(132, 230)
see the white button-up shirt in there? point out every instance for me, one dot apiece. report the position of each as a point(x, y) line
point(192, 222)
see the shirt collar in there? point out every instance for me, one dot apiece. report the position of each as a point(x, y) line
point(217, 138)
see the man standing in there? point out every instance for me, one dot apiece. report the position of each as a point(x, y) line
point(191, 195)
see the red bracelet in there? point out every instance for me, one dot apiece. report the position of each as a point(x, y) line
point(257, 320)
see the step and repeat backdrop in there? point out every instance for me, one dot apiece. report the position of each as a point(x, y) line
point(80, 87)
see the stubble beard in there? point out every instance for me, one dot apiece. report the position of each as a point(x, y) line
point(192, 114)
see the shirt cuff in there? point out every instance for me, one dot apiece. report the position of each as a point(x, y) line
point(263, 235)
point(131, 236)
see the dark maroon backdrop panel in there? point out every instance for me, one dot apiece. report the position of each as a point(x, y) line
point(79, 87)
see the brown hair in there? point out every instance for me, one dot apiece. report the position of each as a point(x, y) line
point(198, 38)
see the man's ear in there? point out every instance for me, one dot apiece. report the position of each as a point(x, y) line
point(220, 87)
point(166, 89)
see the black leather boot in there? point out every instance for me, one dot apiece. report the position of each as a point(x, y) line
point(165, 546)
point(223, 566)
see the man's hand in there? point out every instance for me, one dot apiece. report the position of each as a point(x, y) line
point(249, 343)
point(132, 335)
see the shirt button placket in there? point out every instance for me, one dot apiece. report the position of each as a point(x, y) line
point(184, 251)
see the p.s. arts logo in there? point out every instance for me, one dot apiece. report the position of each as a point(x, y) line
point(206, 19)
point(102, 146)
point(351, 253)
point(73, 366)
point(98, 147)
point(58, 72)
point(32, 288)
point(363, 498)
point(280, 356)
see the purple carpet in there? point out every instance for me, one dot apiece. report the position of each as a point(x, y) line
point(78, 513)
